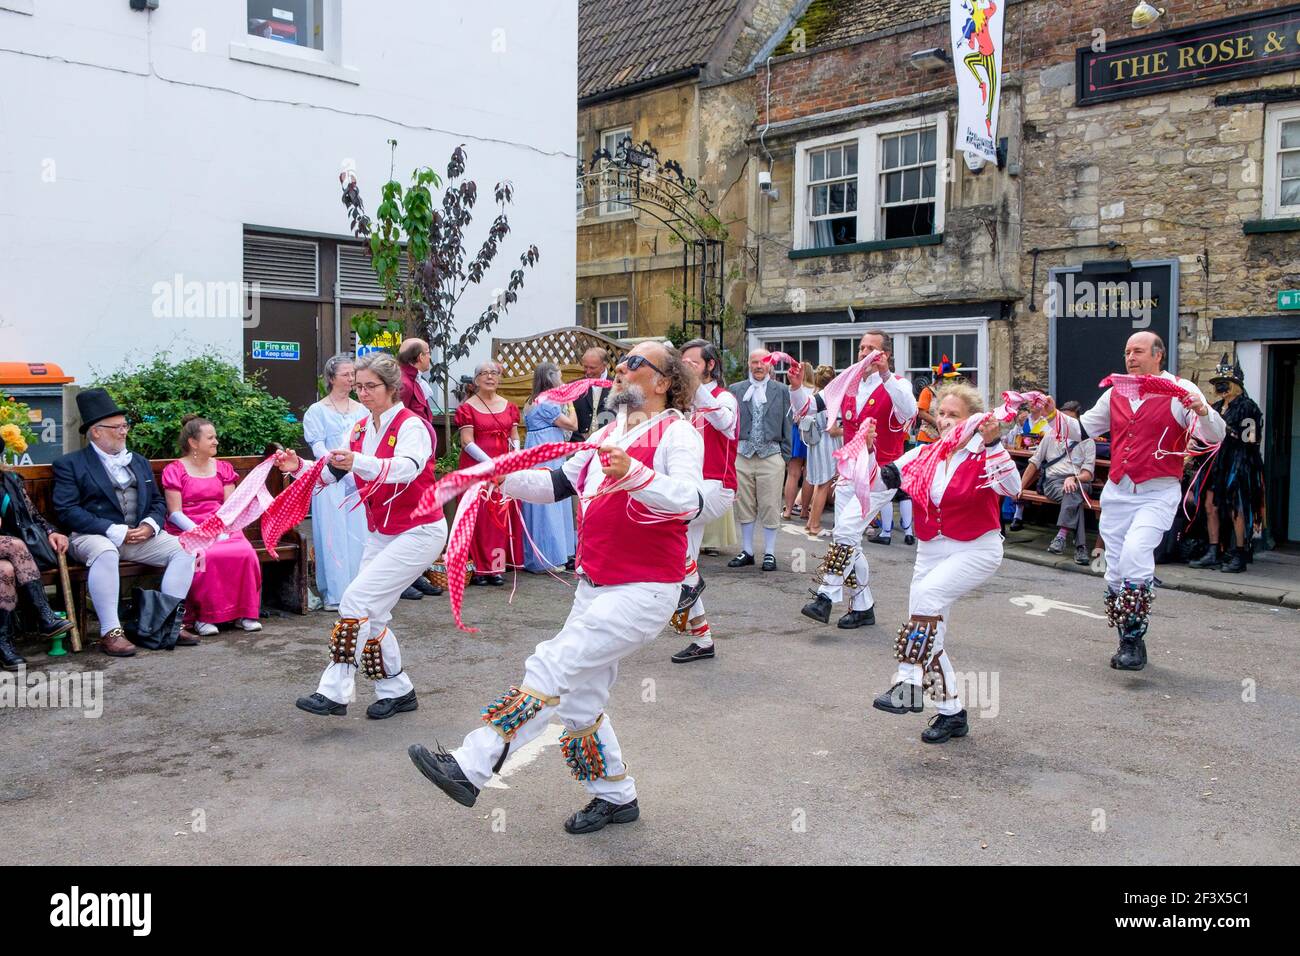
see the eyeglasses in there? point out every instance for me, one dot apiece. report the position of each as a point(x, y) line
point(123, 428)
point(368, 386)
point(634, 362)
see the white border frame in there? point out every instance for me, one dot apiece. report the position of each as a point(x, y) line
point(326, 63)
point(868, 140)
point(607, 329)
point(1274, 117)
point(602, 208)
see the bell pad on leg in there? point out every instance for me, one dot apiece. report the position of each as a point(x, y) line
point(372, 659)
point(680, 621)
point(511, 711)
point(584, 754)
point(935, 682)
point(343, 640)
point(915, 644)
point(1128, 609)
point(836, 561)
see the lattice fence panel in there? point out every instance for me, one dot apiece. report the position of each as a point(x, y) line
point(564, 347)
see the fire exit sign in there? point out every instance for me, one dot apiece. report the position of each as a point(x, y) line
point(1288, 299)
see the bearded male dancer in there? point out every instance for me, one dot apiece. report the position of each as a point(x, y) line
point(640, 491)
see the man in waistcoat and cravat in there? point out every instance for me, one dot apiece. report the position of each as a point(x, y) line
point(761, 454)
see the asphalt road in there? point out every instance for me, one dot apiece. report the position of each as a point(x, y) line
point(770, 753)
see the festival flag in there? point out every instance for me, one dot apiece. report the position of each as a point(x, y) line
point(977, 57)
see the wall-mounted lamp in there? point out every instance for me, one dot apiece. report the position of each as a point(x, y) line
point(1144, 14)
point(144, 4)
point(930, 61)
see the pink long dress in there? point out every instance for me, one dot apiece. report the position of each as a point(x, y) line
point(230, 586)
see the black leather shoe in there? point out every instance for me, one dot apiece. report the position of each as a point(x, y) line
point(902, 698)
point(819, 609)
point(49, 623)
point(571, 564)
point(478, 580)
point(10, 659)
point(909, 539)
point(742, 560)
point(693, 652)
point(1236, 562)
point(686, 600)
point(1212, 558)
point(440, 769)
point(882, 539)
point(392, 705)
point(1131, 656)
point(422, 585)
point(943, 726)
point(496, 580)
point(1017, 524)
point(769, 562)
point(322, 706)
point(412, 594)
point(599, 814)
point(857, 619)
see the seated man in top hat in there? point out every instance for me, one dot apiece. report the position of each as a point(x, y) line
point(106, 499)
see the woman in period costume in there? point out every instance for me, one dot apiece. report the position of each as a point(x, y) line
point(550, 540)
point(489, 426)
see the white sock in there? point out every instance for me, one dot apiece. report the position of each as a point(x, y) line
point(769, 541)
point(747, 538)
point(1020, 512)
point(703, 640)
point(887, 519)
point(905, 515)
point(178, 576)
point(102, 581)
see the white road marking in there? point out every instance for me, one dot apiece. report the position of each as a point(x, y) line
point(518, 759)
point(1039, 606)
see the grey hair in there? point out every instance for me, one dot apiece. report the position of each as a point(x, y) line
point(546, 375)
point(482, 367)
point(333, 364)
point(385, 367)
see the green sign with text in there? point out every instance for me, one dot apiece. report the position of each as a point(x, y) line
point(1289, 299)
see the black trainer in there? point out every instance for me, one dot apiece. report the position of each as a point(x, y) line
point(769, 562)
point(742, 560)
point(412, 594)
point(692, 652)
point(943, 726)
point(1212, 558)
point(902, 698)
point(322, 706)
point(441, 769)
point(686, 600)
point(423, 585)
point(819, 609)
point(1131, 656)
point(388, 706)
point(599, 814)
point(857, 619)
point(1081, 554)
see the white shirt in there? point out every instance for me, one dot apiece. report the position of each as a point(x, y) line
point(724, 415)
point(1007, 484)
point(899, 390)
point(676, 488)
point(120, 475)
point(410, 454)
point(1209, 429)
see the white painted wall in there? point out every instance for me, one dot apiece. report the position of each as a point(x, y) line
point(134, 146)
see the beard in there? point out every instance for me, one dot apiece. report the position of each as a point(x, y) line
point(631, 397)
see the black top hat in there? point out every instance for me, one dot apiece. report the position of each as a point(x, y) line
point(1229, 373)
point(95, 405)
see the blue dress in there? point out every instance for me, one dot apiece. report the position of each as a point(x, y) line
point(550, 527)
point(337, 531)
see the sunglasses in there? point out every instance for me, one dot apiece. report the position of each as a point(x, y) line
point(634, 362)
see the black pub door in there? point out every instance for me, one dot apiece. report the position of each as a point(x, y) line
point(1282, 444)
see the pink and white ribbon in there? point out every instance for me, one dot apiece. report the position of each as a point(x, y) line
point(845, 384)
point(244, 506)
point(856, 463)
point(772, 358)
point(563, 394)
point(918, 474)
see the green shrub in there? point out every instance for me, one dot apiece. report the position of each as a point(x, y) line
point(158, 395)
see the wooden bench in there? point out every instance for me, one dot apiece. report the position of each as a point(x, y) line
point(284, 578)
point(1093, 500)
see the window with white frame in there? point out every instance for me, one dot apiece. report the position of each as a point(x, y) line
point(880, 182)
point(1282, 163)
point(833, 194)
point(297, 23)
point(611, 317)
point(803, 350)
point(615, 185)
point(924, 352)
point(844, 352)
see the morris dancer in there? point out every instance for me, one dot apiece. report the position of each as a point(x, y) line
point(391, 457)
point(886, 400)
point(958, 483)
point(714, 414)
point(640, 492)
point(1147, 449)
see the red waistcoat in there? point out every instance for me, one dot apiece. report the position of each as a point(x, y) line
point(615, 549)
point(719, 451)
point(889, 434)
point(966, 511)
point(395, 516)
point(1134, 439)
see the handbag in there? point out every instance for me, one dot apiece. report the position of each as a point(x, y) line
point(16, 519)
point(810, 430)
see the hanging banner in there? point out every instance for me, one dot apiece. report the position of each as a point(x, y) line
point(977, 58)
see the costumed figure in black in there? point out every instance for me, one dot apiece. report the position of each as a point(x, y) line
point(1234, 487)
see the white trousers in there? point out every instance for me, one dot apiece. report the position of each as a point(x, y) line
point(850, 523)
point(717, 499)
point(389, 564)
point(579, 665)
point(1131, 525)
point(945, 571)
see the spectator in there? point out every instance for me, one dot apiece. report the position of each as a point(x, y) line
point(1066, 468)
point(550, 543)
point(489, 427)
point(229, 588)
point(415, 357)
point(800, 378)
point(760, 458)
point(338, 531)
point(19, 573)
point(106, 497)
point(820, 474)
point(591, 407)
